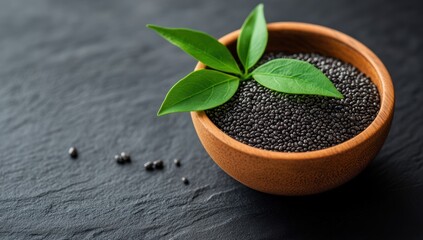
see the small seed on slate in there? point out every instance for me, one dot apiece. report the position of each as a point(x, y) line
point(73, 153)
point(158, 164)
point(149, 166)
point(119, 159)
point(177, 162)
point(125, 157)
point(185, 180)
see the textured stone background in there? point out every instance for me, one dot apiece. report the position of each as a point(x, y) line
point(88, 73)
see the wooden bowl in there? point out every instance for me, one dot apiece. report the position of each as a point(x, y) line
point(308, 172)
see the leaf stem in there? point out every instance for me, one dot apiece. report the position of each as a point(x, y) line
point(246, 76)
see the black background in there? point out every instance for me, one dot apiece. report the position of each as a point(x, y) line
point(89, 74)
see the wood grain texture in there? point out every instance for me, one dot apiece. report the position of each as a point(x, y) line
point(309, 172)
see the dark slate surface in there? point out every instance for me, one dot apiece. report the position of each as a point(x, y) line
point(89, 74)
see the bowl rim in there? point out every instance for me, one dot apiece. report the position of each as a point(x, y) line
point(386, 93)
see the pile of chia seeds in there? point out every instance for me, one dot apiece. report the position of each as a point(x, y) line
point(269, 120)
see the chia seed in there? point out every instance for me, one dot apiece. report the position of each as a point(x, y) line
point(119, 159)
point(185, 180)
point(149, 166)
point(73, 153)
point(275, 121)
point(177, 162)
point(125, 157)
point(158, 164)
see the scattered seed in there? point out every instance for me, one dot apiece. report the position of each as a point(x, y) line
point(158, 164)
point(185, 180)
point(269, 120)
point(73, 153)
point(149, 166)
point(177, 162)
point(125, 157)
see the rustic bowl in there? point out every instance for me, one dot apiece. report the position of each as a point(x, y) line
point(308, 172)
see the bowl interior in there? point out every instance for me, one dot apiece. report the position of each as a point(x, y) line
point(293, 37)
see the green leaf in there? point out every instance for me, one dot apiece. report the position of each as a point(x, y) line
point(253, 38)
point(295, 76)
point(200, 90)
point(201, 46)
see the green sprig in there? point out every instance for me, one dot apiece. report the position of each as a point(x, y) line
point(205, 89)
